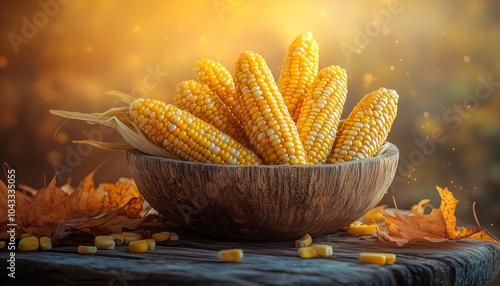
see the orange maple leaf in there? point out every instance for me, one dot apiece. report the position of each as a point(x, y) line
point(437, 226)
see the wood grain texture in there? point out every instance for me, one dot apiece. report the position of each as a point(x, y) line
point(193, 261)
point(263, 202)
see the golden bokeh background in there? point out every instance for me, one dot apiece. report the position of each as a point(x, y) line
point(438, 55)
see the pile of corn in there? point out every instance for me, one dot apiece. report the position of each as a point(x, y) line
point(251, 119)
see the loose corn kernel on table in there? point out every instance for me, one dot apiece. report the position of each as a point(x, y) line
point(193, 260)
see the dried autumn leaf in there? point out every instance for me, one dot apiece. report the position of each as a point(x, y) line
point(41, 212)
point(437, 226)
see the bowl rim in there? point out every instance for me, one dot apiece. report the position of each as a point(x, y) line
point(391, 151)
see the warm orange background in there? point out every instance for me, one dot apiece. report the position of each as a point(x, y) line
point(431, 52)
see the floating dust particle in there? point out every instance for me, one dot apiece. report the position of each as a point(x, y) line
point(466, 59)
point(397, 41)
point(426, 114)
point(392, 68)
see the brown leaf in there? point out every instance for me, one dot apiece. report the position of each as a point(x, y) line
point(437, 226)
point(57, 211)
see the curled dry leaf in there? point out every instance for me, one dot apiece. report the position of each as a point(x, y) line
point(437, 226)
point(41, 212)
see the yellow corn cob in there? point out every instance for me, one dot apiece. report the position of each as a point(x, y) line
point(264, 115)
point(198, 99)
point(218, 79)
point(366, 128)
point(320, 113)
point(298, 71)
point(187, 136)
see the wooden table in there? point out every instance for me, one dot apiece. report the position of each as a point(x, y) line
point(194, 261)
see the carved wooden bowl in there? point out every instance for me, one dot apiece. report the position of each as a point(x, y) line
point(263, 202)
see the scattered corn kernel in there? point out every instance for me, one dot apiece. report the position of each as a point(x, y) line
point(363, 229)
point(119, 238)
point(161, 236)
point(174, 236)
point(375, 214)
point(304, 241)
point(84, 249)
point(104, 242)
point(308, 252)
point(45, 243)
point(138, 246)
point(390, 258)
point(230, 255)
point(24, 235)
point(131, 236)
point(372, 258)
point(323, 249)
point(151, 243)
point(2, 244)
point(29, 244)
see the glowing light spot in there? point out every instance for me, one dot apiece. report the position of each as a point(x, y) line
point(136, 29)
point(426, 114)
point(397, 41)
point(4, 62)
point(466, 59)
point(368, 77)
point(392, 68)
point(62, 137)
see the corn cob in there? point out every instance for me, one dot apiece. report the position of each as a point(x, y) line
point(218, 79)
point(264, 115)
point(187, 136)
point(298, 71)
point(320, 113)
point(366, 128)
point(198, 99)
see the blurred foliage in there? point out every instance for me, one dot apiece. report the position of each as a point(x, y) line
point(432, 52)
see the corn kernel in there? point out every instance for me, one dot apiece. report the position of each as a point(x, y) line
point(390, 258)
point(161, 236)
point(24, 235)
point(131, 236)
point(323, 249)
point(119, 238)
point(151, 243)
point(304, 241)
point(104, 242)
point(363, 229)
point(372, 258)
point(230, 255)
point(45, 243)
point(308, 252)
point(29, 244)
point(174, 236)
point(138, 246)
point(2, 244)
point(84, 249)
point(375, 214)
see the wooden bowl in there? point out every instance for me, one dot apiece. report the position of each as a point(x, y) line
point(263, 202)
